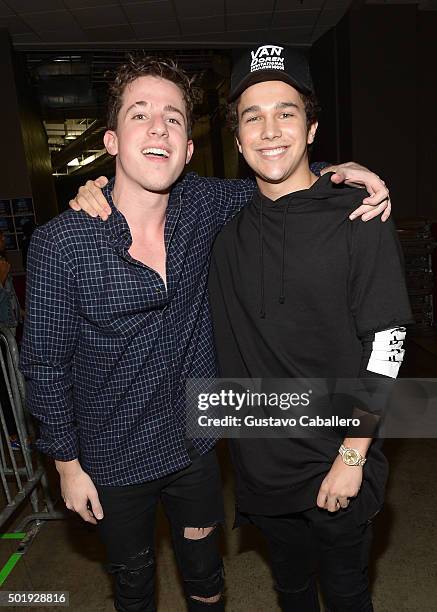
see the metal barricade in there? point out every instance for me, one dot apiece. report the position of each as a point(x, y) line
point(23, 477)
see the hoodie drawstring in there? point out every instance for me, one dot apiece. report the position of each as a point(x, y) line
point(262, 311)
point(284, 236)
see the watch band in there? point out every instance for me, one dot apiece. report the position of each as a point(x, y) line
point(351, 456)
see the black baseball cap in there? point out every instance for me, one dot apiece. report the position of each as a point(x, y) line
point(270, 63)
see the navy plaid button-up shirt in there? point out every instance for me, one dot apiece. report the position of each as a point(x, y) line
point(107, 347)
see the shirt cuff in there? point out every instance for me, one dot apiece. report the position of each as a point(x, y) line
point(317, 167)
point(66, 449)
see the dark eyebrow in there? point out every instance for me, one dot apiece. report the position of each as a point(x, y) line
point(167, 108)
point(250, 109)
point(173, 109)
point(278, 106)
point(282, 105)
point(139, 103)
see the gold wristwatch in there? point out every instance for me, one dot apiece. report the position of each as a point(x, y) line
point(351, 456)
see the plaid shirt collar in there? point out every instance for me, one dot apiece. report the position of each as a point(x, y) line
point(118, 228)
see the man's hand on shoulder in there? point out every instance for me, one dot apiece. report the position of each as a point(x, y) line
point(78, 491)
point(90, 199)
point(378, 200)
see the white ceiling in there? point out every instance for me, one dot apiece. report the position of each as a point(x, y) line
point(40, 23)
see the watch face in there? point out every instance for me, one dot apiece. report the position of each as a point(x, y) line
point(351, 456)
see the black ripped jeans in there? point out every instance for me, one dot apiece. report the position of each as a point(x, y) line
point(191, 498)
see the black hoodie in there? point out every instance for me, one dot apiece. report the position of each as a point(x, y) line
point(295, 289)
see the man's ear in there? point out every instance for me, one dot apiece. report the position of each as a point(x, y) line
point(312, 132)
point(238, 144)
point(110, 141)
point(190, 151)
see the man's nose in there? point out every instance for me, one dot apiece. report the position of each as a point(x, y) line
point(271, 128)
point(158, 126)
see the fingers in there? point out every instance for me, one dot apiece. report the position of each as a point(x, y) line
point(358, 212)
point(89, 512)
point(328, 502)
point(342, 502)
point(387, 211)
point(91, 199)
point(87, 515)
point(375, 211)
point(352, 174)
point(322, 499)
point(101, 182)
point(74, 205)
point(367, 212)
point(83, 511)
point(332, 503)
point(378, 193)
point(95, 505)
point(338, 177)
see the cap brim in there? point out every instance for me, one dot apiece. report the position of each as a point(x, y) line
point(260, 77)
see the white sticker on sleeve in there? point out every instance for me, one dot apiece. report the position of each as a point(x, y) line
point(387, 352)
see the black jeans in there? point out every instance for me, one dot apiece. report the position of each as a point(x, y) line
point(334, 546)
point(191, 498)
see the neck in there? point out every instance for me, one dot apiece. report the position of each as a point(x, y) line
point(140, 207)
point(301, 178)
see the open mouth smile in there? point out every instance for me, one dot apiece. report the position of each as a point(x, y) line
point(156, 152)
point(272, 152)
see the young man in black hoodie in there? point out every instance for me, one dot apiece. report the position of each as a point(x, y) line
point(298, 291)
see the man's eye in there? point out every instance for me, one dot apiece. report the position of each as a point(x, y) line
point(174, 120)
point(139, 116)
point(287, 115)
point(254, 118)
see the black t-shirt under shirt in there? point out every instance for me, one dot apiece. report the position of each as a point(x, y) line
point(295, 287)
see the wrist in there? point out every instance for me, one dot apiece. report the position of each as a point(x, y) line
point(351, 456)
point(68, 468)
point(360, 444)
point(319, 168)
point(330, 168)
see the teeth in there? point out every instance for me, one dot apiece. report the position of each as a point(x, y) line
point(272, 151)
point(154, 151)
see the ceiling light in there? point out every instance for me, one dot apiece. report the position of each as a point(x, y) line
point(88, 160)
